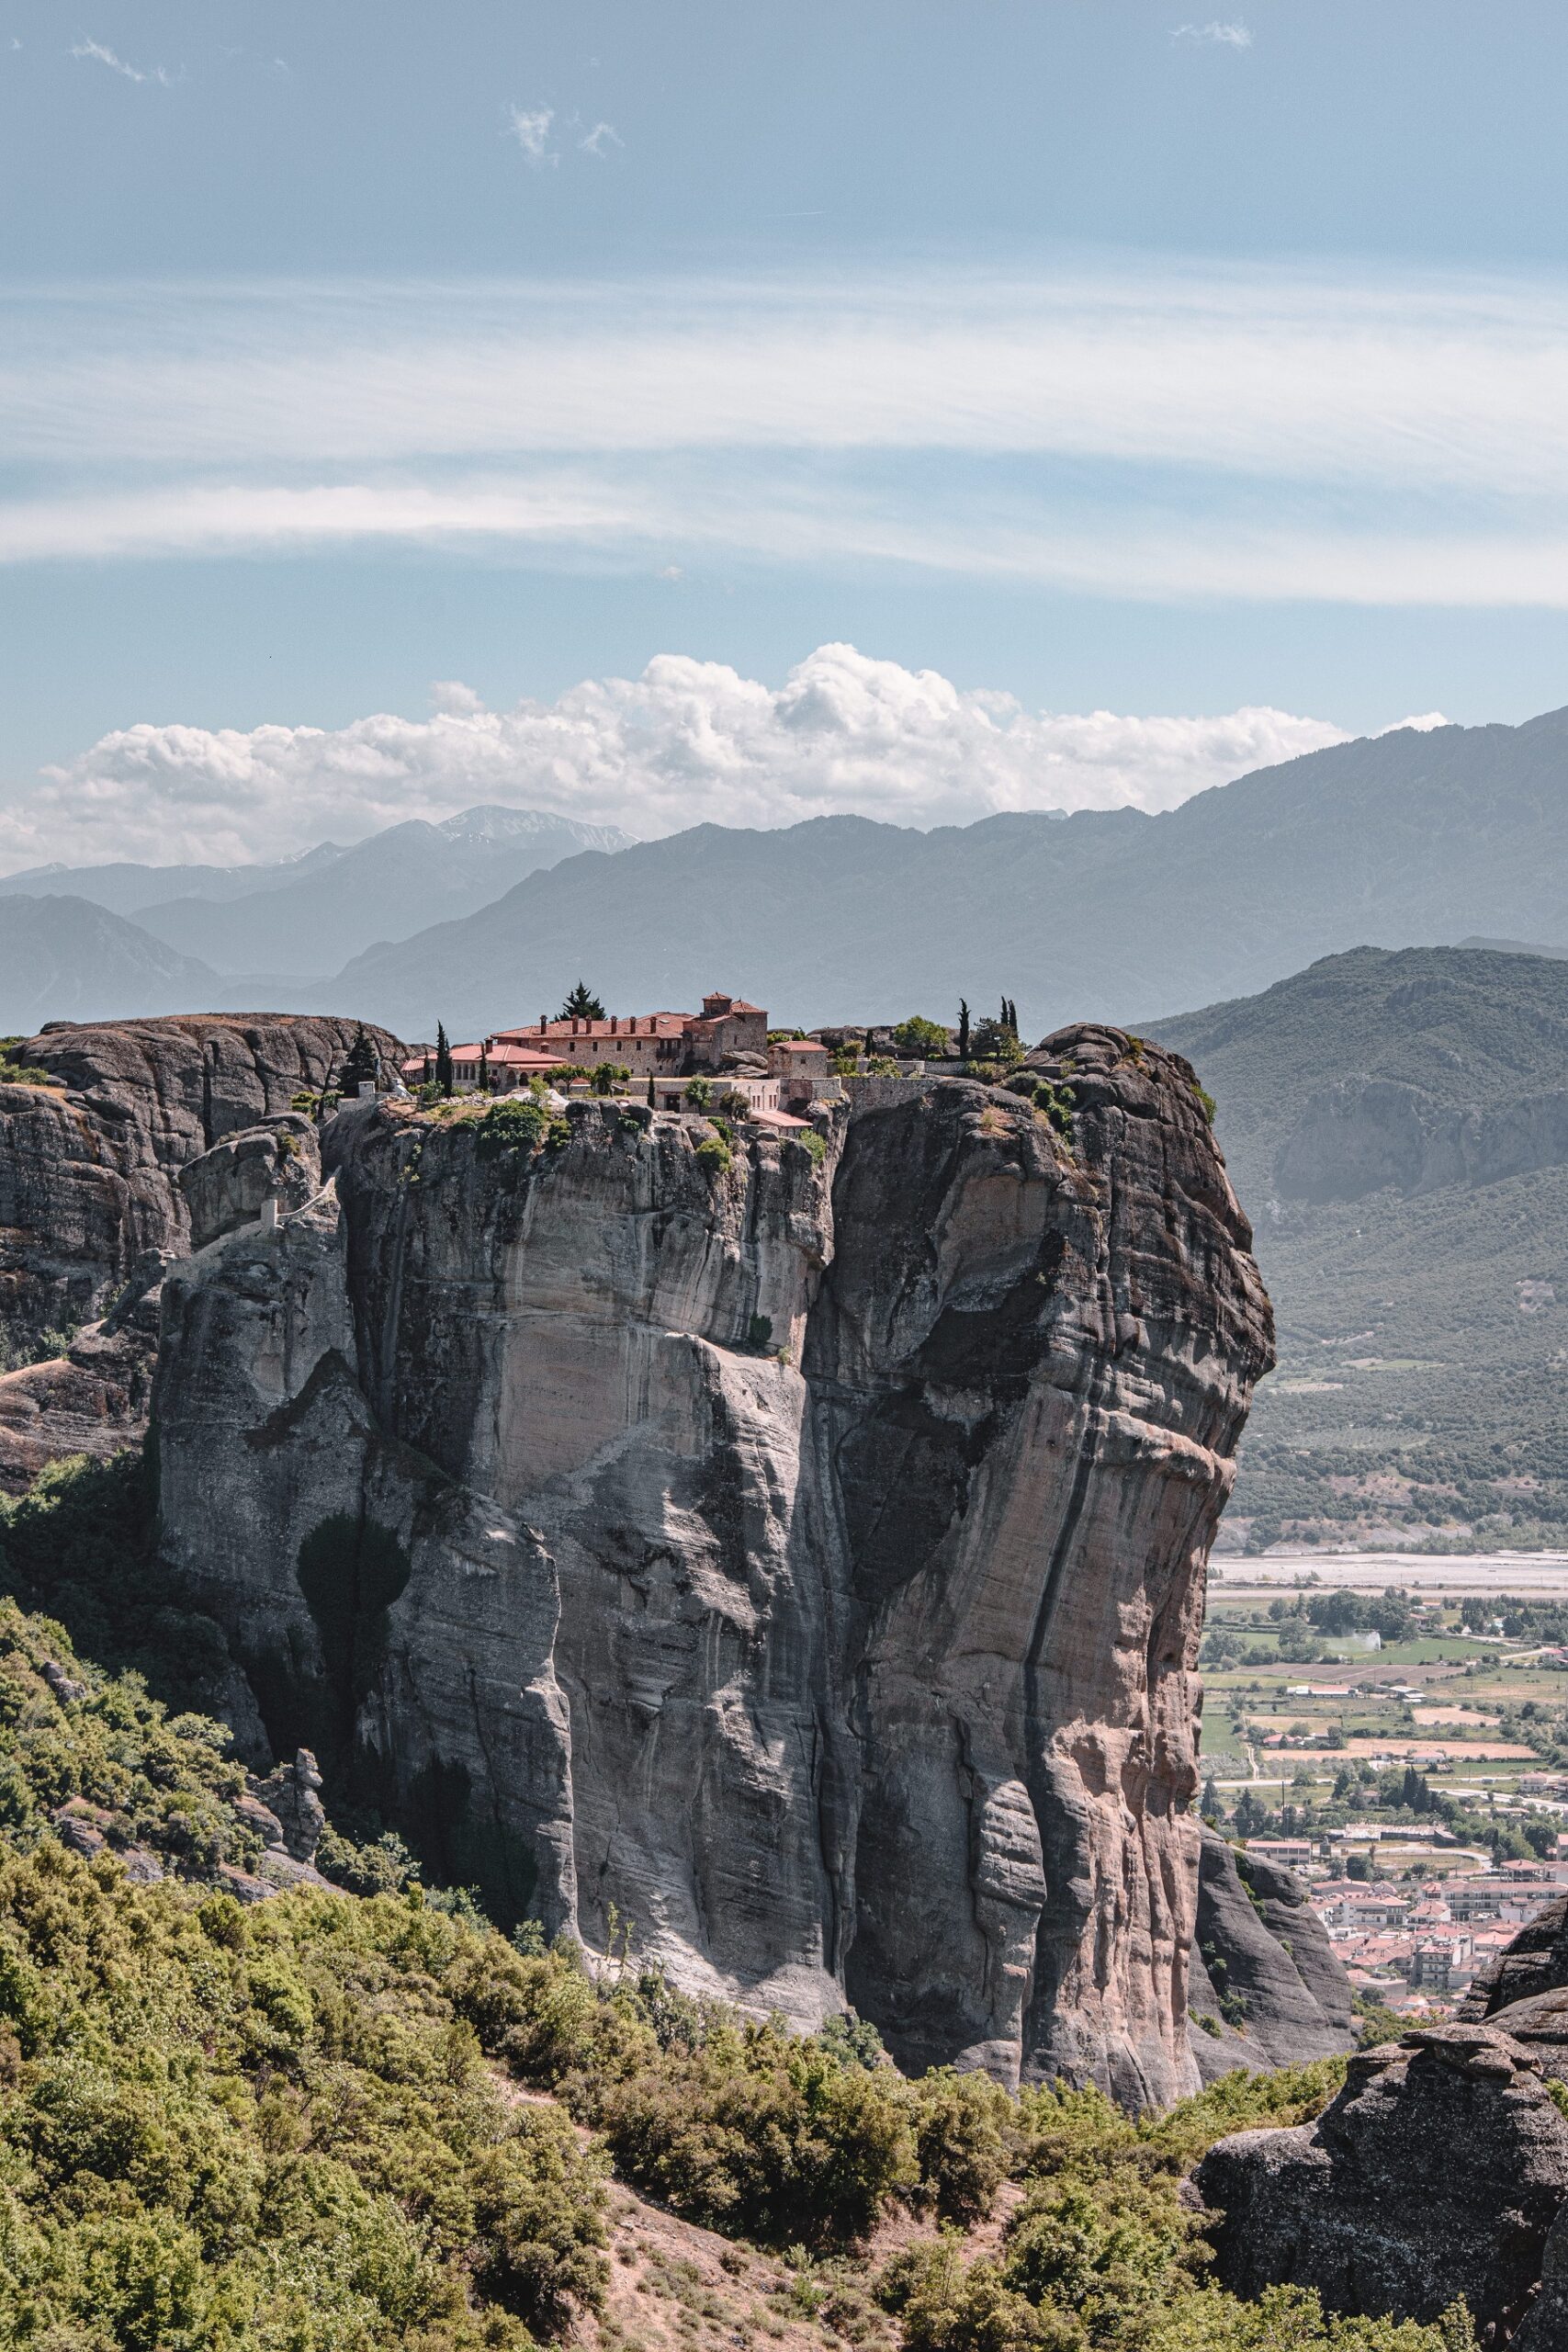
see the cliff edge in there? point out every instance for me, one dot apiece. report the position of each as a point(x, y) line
point(797, 1552)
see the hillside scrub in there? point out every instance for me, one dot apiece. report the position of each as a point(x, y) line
point(290, 2125)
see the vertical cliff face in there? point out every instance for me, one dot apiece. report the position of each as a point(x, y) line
point(804, 1558)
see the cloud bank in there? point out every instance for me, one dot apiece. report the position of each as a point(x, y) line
point(686, 742)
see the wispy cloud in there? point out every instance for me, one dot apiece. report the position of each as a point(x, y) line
point(1202, 433)
point(531, 129)
point(1224, 36)
point(685, 741)
point(102, 56)
point(601, 139)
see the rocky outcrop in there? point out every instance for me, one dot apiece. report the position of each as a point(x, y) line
point(97, 1192)
point(1267, 1988)
point(804, 1554)
point(1437, 2172)
point(227, 1186)
point(1535, 1963)
point(89, 1166)
point(92, 1397)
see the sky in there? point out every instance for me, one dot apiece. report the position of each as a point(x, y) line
point(665, 414)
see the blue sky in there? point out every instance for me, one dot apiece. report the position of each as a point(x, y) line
point(1107, 359)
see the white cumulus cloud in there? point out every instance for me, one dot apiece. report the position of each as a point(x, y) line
point(686, 742)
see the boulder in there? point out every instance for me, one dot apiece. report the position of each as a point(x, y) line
point(1437, 2172)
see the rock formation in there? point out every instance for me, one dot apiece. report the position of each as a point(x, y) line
point(89, 1168)
point(1440, 2170)
point(1437, 2172)
point(1267, 1988)
point(1535, 1963)
point(92, 1208)
point(802, 1554)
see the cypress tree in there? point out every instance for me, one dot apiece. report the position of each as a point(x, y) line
point(962, 1030)
point(442, 1059)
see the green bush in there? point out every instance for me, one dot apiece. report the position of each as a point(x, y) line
point(965, 2136)
point(517, 1127)
point(761, 2132)
point(715, 1156)
point(15, 1072)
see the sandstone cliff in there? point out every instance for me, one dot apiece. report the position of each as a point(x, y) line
point(90, 1204)
point(803, 1557)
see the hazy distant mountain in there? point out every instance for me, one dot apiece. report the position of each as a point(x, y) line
point(1408, 837)
point(313, 912)
point(66, 959)
point(1397, 1127)
point(125, 890)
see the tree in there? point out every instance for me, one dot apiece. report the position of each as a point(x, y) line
point(699, 1091)
point(652, 1098)
point(484, 1071)
point(608, 1075)
point(920, 1039)
point(442, 1059)
point(582, 1005)
point(962, 1030)
point(1009, 1015)
point(991, 1042)
point(363, 1064)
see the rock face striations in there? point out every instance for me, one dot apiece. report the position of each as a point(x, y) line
point(92, 1204)
point(801, 1553)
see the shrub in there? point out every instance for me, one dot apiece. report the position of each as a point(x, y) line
point(814, 1144)
point(699, 1094)
point(759, 2133)
point(517, 1127)
point(15, 1072)
point(965, 2137)
point(715, 1156)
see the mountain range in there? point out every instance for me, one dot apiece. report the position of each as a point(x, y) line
point(309, 914)
point(1396, 1125)
point(1408, 837)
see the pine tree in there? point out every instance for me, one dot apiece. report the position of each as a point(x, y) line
point(962, 1030)
point(363, 1062)
point(442, 1059)
point(582, 1005)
